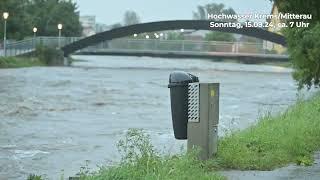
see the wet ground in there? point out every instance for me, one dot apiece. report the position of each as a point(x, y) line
point(59, 118)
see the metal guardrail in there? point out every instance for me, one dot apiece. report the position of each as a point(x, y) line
point(140, 45)
point(156, 45)
point(30, 44)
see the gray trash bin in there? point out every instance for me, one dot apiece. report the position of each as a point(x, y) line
point(178, 84)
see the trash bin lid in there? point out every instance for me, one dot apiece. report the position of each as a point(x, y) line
point(179, 78)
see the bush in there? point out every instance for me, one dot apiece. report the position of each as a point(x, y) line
point(304, 49)
point(219, 36)
point(141, 161)
point(50, 55)
point(303, 42)
point(17, 62)
point(34, 177)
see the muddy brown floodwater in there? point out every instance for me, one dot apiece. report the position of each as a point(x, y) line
point(57, 118)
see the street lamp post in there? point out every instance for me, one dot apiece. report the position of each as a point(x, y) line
point(5, 17)
point(182, 31)
point(59, 40)
point(34, 36)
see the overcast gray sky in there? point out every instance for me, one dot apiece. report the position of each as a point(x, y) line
point(111, 11)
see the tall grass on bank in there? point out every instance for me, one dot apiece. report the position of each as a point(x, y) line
point(141, 162)
point(291, 137)
point(16, 62)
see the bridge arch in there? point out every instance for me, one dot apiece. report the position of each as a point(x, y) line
point(169, 25)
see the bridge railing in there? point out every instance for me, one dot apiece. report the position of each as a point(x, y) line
point(156, 45)
point(30, 44)
point(142, 45)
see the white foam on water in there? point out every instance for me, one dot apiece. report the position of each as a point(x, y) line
point(20, 154)
point(8, 146)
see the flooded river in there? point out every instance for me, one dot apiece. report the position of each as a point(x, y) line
point(57, 118)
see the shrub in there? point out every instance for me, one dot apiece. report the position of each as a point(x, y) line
point(50, 55)
point(34, 177)
point(303, 42)
point(304, 49)
point(141, 161)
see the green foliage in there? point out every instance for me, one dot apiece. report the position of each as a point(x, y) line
point(212, 8)
point(304, 49)
point(300, 7)
point(304, 43)
point(140, 161)
point(250, 39)
point(43, 56)
point(34, 177)
point(46, 14)
point(43, 14)
point(18, 22)
point(135, 146)
point(175, 36)
point(219, 36)
point(131, 17)
point(49, 55)
point(17, 62)
point(291, 137)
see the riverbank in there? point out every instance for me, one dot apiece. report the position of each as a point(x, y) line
point(42, 56)
point(275, 141)
point(18, 62)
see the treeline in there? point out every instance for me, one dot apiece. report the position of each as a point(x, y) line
point(43, 14)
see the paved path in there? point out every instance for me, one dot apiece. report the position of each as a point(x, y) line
point(291, 172)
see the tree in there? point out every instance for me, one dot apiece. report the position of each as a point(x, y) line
point(175, 36)
point(219, 36)
point(43, 14)
point(116, 25)
point(214, 8)
point(303, 42)
point(18, 23)
point(131, 17)
point(46, 14)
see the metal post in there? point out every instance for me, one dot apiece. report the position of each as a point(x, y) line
point(203, 131)
point(59, 39)
point(34, 40)
point(5, 38)
point(182, 45)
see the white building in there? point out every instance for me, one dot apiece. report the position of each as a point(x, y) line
point(89, 25)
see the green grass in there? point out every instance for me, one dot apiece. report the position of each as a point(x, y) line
point(291, 137)
point(18, 62)
point(141, 162)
